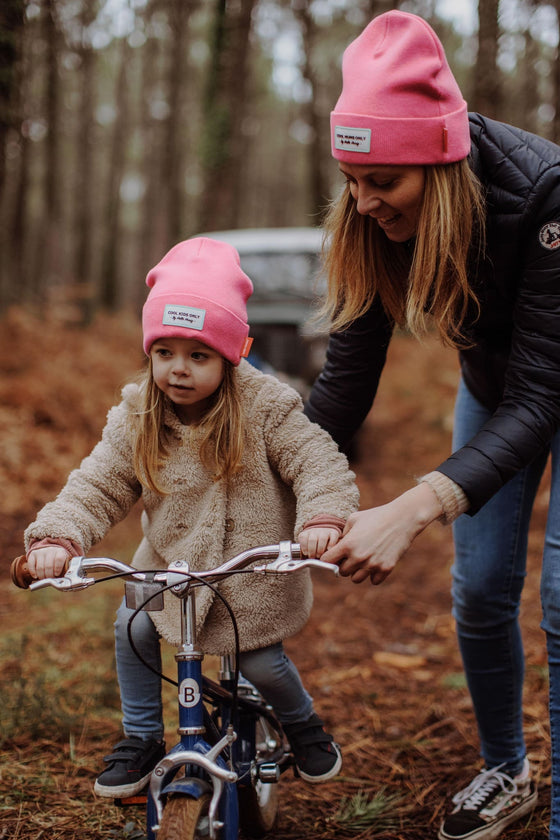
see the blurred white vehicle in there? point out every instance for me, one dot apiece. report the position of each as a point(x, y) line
point(284, 265)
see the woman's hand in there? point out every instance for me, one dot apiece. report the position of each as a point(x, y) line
point(46, 562)
point(315, 541)
point(374, 540)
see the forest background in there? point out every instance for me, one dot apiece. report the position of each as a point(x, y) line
point(128, 125)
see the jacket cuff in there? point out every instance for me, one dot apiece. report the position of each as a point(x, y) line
point(74, 549)
point(450, 495)
point(325, 521)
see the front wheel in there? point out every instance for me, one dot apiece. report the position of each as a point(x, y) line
point(258, 802)
point(258, 808)
point(185, 818)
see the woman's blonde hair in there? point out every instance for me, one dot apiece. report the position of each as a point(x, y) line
point(428, 282)
point(221, 448)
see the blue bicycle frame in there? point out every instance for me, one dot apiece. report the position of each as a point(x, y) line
point(206, 770)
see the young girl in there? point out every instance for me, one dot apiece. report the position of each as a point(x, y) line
point(223, 459)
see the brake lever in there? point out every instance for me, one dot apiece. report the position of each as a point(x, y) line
point(283, 564)
point(74, 578)
point(63, 583)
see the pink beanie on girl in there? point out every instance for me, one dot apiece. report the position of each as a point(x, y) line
point(198, 290)
point(400, 103)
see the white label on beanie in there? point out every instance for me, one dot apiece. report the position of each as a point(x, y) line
point(352, 139)
point(183, 316)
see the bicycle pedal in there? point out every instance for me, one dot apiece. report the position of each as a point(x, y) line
point(138, 799)
point(268, 773)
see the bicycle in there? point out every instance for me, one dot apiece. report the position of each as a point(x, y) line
point(223, 772)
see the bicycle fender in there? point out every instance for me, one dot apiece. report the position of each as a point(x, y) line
point(193, 787)
point(188, 786)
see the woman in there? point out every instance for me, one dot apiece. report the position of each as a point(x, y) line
point(452, 220)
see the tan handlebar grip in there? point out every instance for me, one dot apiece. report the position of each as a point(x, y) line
point(19, 570)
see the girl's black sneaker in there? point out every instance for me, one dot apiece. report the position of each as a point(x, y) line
point(129, 767)
point(317, 756)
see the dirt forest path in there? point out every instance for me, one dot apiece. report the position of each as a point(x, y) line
point(381, 662)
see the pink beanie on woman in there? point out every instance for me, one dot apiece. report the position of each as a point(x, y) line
point(400, 103)
point(199, 291)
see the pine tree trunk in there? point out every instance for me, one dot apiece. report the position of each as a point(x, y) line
point(224, 108)
point(173, 158)
point(48, 268)
point(109, 285)
point(487, 96)
point(318, 182)
point(11, 44)
point(556, 83)
point(83, 186)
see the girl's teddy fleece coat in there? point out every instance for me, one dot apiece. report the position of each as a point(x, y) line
point(292, 471)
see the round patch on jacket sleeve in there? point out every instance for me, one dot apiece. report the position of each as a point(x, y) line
point(549, 236)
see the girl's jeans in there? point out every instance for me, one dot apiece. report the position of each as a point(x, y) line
point(269, 669)
point(488, 576)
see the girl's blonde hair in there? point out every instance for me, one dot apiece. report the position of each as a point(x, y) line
point(415, 286)
point(221, 448)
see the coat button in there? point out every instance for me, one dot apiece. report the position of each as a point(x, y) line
point(230, 524)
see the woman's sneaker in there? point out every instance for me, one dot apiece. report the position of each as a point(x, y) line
point(491, 802)
point(317, 756)
point(129, 767)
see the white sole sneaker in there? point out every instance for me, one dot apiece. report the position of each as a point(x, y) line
point(488, 805)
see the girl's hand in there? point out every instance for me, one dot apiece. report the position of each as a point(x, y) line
point(315, 541)
point(47, 562)
point(374, 540)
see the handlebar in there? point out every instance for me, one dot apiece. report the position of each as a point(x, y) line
point(284, 557)
point(22, 577)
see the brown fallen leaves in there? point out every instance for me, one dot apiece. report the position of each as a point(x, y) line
point(381, 663)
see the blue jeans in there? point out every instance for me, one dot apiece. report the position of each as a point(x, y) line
point(488, 576)
point(269, 669)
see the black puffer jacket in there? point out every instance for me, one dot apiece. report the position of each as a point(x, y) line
point(513, 367)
